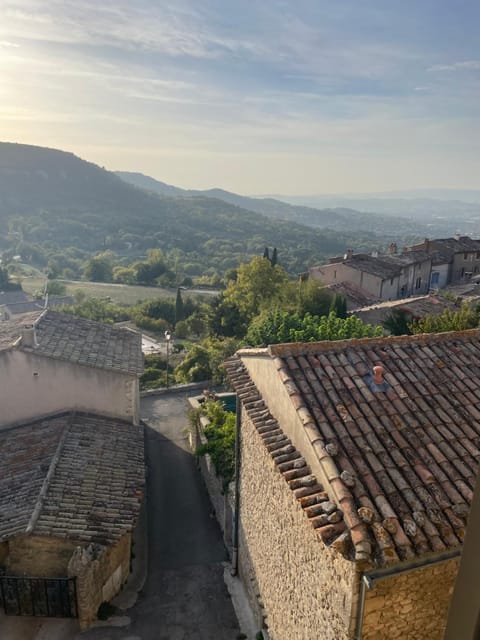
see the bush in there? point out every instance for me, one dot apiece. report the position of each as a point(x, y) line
point(220, 445)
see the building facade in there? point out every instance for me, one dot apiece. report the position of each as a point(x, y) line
point(358, 461)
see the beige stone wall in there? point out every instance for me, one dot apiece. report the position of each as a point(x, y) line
point(339, 272)
point(39, 556)
point(410, 606)
point(100, 573)
point(307, 590)
point(219, 497)
point(32, 385)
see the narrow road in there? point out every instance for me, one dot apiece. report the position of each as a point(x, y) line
point(184, 597)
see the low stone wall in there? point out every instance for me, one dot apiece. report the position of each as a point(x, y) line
point(39, 556)
point(221, 499)
point(410, 606)
point(100, 574)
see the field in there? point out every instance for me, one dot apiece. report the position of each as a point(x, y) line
point(119, 293)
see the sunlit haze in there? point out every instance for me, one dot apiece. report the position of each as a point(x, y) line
point(255, 97)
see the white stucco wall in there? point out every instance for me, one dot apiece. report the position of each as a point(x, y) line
point(32, 385)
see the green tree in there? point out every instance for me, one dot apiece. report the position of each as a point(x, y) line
point(275, 326)
point(464, 318)
point(257, 284)
point(339, 306)
point(396, 323)
point(99, 269)
point(56, 288)
point(5, 283)
point(179, 311)
point(220, 434)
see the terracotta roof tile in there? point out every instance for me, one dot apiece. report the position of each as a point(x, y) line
point(323, 515)
point(95, 485)
point(411, 451)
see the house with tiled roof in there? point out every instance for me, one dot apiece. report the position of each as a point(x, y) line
point(358, 461)
point(70, 492)
point(71, 463)
point(52, 361)
point(454, 260)
point(383, 276)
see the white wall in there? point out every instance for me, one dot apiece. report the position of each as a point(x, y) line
point(32, 385)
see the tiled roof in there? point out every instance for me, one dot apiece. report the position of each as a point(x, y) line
point(323, 514)
point(416, 307)
point(355, 296)
point(385, 266)
point(401, 458)
point(10, 330)
point(78, 476)
point(24, 306)
point(12, 297)
point(87, 342)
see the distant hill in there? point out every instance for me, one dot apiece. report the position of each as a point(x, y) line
point(335, 218)
point(53, 198)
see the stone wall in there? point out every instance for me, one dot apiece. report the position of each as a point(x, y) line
point(39, 556)
point(305, 589)
point(410, 606)
point(100, 574)
point(220, 498)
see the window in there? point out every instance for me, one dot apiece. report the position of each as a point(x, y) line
point(465, 256)
point(334, 275)
point(418, 283)
point(391, 280)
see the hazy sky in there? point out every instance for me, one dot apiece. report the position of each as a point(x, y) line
point(264, 96)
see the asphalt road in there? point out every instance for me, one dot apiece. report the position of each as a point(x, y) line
point(184, 596)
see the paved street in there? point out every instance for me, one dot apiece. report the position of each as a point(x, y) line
point(184, 597)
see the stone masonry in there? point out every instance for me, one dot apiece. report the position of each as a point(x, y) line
point(100, 573)
point(306, 588)
point(410, 606)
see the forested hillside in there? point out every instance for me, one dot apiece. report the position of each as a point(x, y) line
point(51, 200)
point(341, 219)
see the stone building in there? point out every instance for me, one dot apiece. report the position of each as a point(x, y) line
point(70, 492)
point(52, 361)
point(385, 277)
point(358, 461)
point(71, 464)
point(454, 260)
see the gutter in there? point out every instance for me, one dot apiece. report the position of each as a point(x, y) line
point(370, 578)
point(236, 513)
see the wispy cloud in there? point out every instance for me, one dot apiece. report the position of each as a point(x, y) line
point(321, 82)
point(466, 65)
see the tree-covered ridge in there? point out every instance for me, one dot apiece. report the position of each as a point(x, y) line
point(52, 202)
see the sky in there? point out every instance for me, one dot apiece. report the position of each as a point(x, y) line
point(277, 97)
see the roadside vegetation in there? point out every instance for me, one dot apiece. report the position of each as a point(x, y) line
point(220, 435)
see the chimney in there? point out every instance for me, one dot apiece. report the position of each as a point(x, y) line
point(378, 374)
point(348, 255)
point(392, 248)
point(426, 244)
point(29, 336)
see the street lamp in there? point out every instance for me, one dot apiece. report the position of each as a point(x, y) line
point(168, 337)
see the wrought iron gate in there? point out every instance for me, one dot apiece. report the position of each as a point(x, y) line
point(50, 597)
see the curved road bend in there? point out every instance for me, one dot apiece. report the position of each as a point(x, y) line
point(184, 597)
